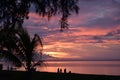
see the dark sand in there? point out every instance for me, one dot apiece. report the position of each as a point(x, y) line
point(22, 75)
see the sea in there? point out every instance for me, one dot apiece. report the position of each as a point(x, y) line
point(81, 67)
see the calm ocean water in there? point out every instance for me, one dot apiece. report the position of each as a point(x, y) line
point(84, 67)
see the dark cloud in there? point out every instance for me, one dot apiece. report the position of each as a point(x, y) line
point(102, 22)
point(114, 33)
point(116, 1)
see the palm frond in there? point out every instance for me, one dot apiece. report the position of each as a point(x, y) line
point(23, 36)
point(36, 56)
point(9, 39)
point(37, 41)
point(9, 57)
point(39, 63)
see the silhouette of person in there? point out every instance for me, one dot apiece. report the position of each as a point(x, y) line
point(69, 71)
point(11, 68)
point(65, 70)
point(58, 71)
point(7, 67)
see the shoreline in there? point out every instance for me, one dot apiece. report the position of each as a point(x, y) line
point(22, 75)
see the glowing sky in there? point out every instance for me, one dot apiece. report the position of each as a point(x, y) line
point(93, 34)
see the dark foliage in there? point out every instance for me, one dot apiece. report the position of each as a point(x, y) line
point(12, 11)
point(17, 47)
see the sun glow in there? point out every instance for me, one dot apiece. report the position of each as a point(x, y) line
point(57, 54)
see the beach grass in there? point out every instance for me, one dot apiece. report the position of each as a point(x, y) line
point(23, 75)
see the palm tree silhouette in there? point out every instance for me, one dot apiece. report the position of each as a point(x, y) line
point(18, 48)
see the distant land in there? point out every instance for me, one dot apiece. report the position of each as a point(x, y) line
point(51, 58)
point(82, 59)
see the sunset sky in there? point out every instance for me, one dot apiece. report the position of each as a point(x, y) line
point(93, 34)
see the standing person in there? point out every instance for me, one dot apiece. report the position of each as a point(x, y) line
point(58, 71)
point(65, 70)
point(8, 68)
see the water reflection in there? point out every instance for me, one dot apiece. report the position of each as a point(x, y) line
point(84, 67)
